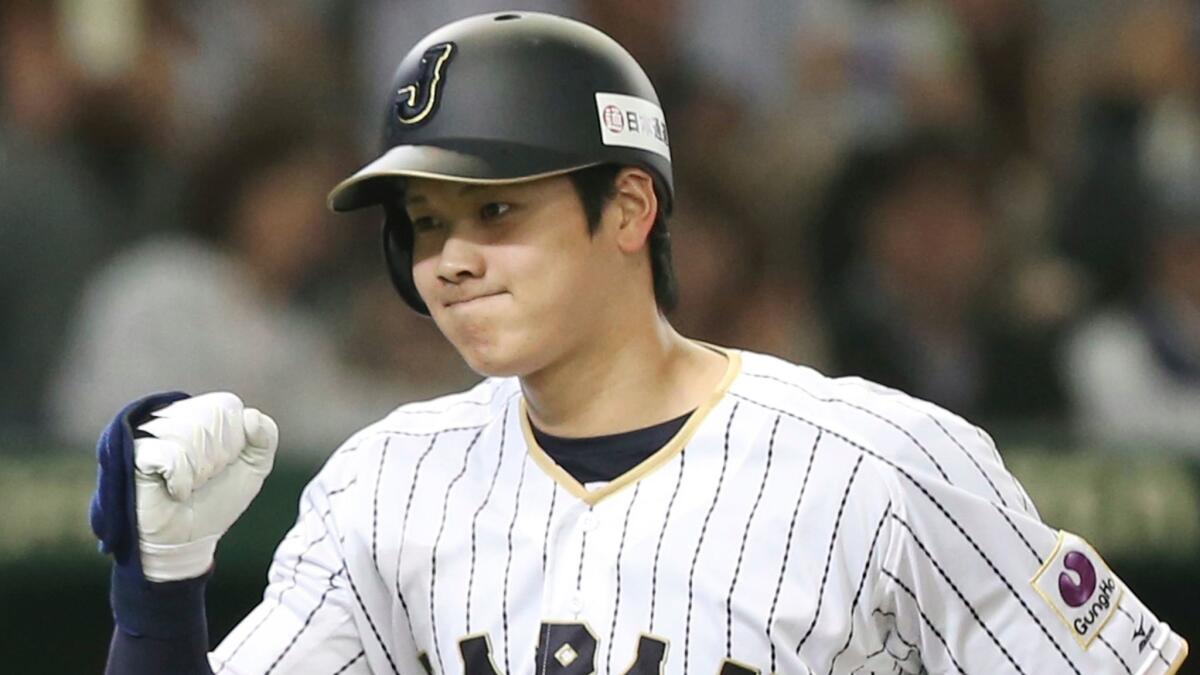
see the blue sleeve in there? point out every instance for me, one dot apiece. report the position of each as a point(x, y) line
point(161, 627)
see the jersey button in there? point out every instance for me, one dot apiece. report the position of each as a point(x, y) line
point(588, 522)
point(577, 603)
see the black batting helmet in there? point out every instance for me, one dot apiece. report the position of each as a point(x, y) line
point(504, 98)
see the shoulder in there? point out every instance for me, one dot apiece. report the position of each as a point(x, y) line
point(903, 437)
point(865, 413)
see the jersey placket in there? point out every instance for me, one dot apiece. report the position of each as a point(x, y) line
point(577, 587)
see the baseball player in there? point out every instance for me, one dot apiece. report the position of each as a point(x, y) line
point(613, 498)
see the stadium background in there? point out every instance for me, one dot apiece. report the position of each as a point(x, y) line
point(993, 204)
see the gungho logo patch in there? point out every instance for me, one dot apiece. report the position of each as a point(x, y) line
point(1079, 587)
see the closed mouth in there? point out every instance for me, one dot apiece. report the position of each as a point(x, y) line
point(471, 299)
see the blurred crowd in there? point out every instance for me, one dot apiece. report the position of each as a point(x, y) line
point(991, 204)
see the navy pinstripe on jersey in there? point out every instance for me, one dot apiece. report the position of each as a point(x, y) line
point(795, 524)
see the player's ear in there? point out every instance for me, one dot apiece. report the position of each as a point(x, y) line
point(636, 205)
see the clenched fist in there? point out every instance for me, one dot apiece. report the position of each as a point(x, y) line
point(198, 463)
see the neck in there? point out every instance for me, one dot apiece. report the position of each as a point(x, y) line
point(623, 381)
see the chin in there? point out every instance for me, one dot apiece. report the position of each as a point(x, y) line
point(492, 365)
point(493, 349)
point(488, 369)
point(504, 358)
point(489, 357)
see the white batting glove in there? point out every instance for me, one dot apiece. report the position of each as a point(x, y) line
point(206, 461)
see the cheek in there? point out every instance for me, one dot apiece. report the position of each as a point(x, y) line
point(551, 282)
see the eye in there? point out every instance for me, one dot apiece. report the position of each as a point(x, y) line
point(424, 224)
point(494, 210)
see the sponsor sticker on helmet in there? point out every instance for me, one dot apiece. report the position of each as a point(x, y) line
point(632, 122)
point(1079, 587)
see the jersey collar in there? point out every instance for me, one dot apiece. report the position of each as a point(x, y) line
point(665, 454)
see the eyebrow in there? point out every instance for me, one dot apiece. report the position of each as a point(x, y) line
point(466, 188)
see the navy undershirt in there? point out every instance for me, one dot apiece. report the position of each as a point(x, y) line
point(603, 458)
point(588, 460)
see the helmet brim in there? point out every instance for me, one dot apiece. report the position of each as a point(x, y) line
point(498, 164)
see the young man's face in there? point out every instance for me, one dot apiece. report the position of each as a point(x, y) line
point(510, 273)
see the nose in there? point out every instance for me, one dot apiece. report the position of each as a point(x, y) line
point(460, 260)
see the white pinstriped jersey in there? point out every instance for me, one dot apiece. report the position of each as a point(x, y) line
point(796, 524)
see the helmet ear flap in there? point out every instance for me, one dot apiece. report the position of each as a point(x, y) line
point(397, 253)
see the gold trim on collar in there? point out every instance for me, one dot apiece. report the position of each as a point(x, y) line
point(660, 457)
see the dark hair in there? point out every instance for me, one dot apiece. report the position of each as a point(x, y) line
point(595, 186)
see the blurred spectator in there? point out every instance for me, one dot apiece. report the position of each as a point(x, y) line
point(215, 309)
point(859, 73)
point(127, 132)
point(1135, 368)
point(236, 51)
point(1001, 37)
point(1148, 57)
point(915, 308)
point(730, 293)
point(52, 221)
point(744, 47)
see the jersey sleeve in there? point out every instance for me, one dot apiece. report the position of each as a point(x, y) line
point(982, 587)
point(305, 623)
